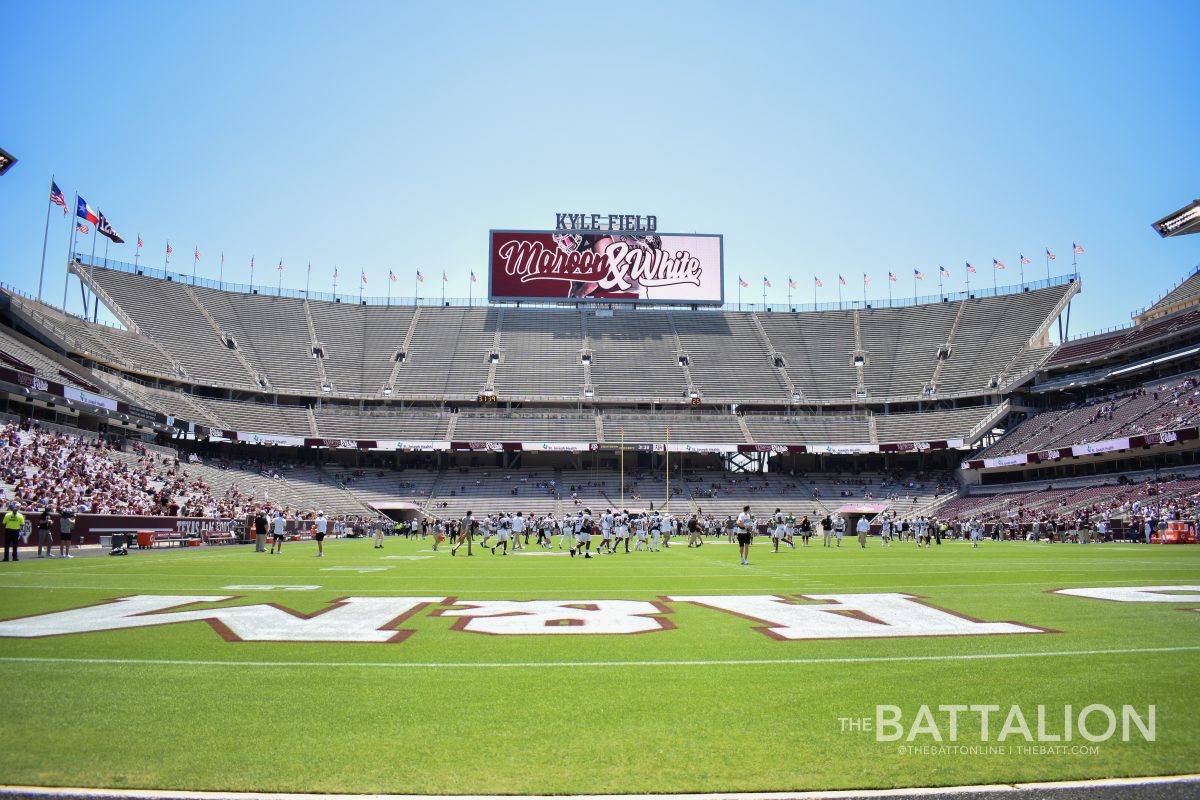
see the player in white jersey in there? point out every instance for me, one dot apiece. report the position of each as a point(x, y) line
point(586, 528)
point(606, 531)
point(778, 529)
point(623, 530)
point(976, 532)
point(670, 526)
point(519, 529)
point(656, 526)
point(566, 528)
point(503, 534)
point(885, 532)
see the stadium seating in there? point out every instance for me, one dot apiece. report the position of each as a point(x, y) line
point(625, 355)
point(1160, 407)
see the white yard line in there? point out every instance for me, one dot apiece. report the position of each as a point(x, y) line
point(526, 664)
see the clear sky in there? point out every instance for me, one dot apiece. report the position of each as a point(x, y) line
point(819, 138)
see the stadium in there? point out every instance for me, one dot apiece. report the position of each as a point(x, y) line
point(558, 514)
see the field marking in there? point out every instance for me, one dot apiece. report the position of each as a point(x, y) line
point(1016, 789)
point(526, 664)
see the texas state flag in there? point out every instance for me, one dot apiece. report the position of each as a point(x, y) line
point(83, 210)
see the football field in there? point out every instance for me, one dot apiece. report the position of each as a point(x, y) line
point(404, 670)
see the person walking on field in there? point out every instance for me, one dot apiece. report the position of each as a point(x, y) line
point(13, 521)
point(466, 531)
point(863, 528)
point(827, 529)
point(280, 532)
point(322, 526)
point(66, 528)
point(745, 533)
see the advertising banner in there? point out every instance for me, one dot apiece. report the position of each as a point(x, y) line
point(604, 266)
point(88, 398)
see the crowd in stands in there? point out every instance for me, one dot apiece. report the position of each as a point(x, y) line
point(1142, 411)
point(1125, 506)
point(57, 471)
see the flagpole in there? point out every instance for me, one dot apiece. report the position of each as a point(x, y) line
point(1048, 265)
point(789, 292)
point(1021, 264)
point(914, 285)
point(1074, 260)
point(137, 251)
point(739, 292)
point(389, 288)
point(91, 267)
point(994, 271)
point(889, 291)
point(252, 272)
point(470, 290)
point(195, 261)
point(279, 286)
point(967, 272)
point(45, 238)
point(814, 292)
point(70, 250)
point(839, 292)
point(167, 256)
point(416, 291)
point(764, 288)
point(864, 290)
point(335, 282)
point(221, 272)
point(307, 278)
point(443, 288)
point(941, 291)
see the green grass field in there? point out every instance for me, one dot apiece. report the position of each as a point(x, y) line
point(709, 703)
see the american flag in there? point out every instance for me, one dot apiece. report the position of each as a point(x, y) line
point(363, 275)
point(741, 282)
point(197, 254)
point(997, 264)
point(866, 279)
point(766, 282)
point(277, 269)
point(169, 250)
point(943, 271)
point(1024, 260)
point(391, 276)
point(918, 275)
point(335, 273)
point(420, 277)
point(1050, 255)
point(444, 278)
point(57, 197)
point(472, 276)
point(892, 277)
point(140, 244)
point(83, 228)
point(792, 284)
point(817, 281)
point(969, 267)
point(1078, 248)
point(841, 280)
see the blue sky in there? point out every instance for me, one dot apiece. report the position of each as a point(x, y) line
point(818, 138)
